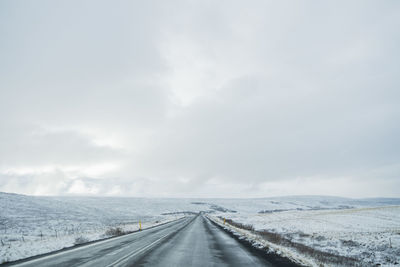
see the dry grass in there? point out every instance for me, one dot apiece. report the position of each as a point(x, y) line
point(81, 240)
point(248, 227)
point(115, 232)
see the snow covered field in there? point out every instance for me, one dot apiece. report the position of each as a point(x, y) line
point(367, 230)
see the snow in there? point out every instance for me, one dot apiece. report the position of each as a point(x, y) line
point(35, 225)
point(367, 230)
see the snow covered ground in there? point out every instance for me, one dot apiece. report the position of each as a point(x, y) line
point(367, 230)
point(35, 225)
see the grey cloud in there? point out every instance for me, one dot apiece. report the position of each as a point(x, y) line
point(200, 96)
point(254, 132)
point(30, 146)
point(81, 63)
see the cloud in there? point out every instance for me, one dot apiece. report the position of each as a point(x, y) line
point(199, 98)
point(267, 133)
point(30, 146)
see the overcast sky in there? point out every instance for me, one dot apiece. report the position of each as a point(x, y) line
point(200, 98)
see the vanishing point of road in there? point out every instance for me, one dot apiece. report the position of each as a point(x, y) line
point(192, 241)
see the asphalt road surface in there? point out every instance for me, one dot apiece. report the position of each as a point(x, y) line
point(192, 241)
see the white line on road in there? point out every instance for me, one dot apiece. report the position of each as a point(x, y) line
point(57, 254)
point(124, 259)
point(72, 250)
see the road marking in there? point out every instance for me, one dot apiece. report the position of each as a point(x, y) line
point(134, 253)
point(72, 250)
point(119, 261)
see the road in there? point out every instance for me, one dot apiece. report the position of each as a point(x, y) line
point(192, 241)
